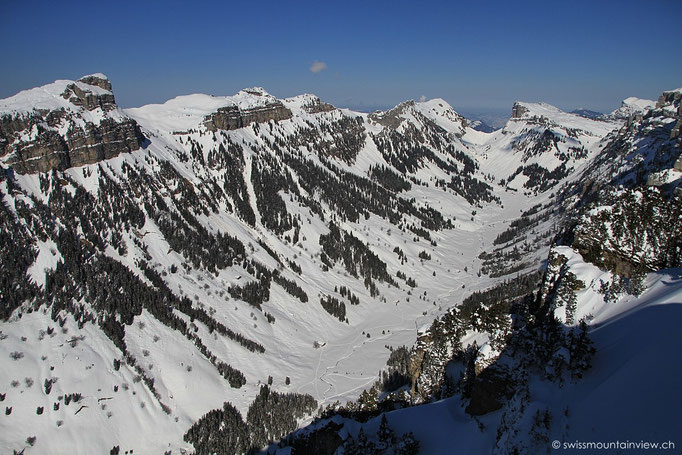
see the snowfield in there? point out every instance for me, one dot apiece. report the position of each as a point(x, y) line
point(306, 349)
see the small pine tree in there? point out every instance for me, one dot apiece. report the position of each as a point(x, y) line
point(386, 434)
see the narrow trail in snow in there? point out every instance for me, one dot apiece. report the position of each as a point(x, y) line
point(332, 370)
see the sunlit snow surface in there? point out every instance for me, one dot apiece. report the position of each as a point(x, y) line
point(629, 394)
point(350, 360)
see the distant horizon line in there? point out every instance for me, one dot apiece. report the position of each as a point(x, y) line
point(490, 115)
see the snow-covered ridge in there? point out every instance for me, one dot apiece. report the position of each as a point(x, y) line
point(47, 97)
point(436, 110)
point(213, 182)
point(64, 124)
point(523, 111)
point(546, 115)
point(632, 105)
point(638, 103)
point(539, 145)
point(302, 100)
point(189, 111)
point(443, 114)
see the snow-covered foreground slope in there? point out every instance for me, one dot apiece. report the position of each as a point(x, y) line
point(629, 392)
point(628, 395)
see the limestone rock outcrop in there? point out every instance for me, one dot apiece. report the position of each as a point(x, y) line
point(316, 106)
point(232, 117)
point(80, 124)
point(519, 110)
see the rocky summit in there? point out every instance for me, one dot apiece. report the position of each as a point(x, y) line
point(65, 124)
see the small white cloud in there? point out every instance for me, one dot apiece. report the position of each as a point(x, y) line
point(422, 99)
point(317, 67)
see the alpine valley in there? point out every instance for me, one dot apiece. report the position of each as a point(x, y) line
point(234, 274)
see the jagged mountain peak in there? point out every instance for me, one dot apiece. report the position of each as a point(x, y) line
point(64, 124)
point(630, 106)
point(445, 116)
point(436, 110)
point(98, 79)
point(89, 92)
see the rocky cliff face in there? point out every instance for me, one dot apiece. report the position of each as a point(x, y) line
point(50, 150)
point(393, 117)
point(669, 97)
point(518, 110)
point(639, 207)
point(232, 117)
point(78, 125)
point(89, 100)
point(316, 106)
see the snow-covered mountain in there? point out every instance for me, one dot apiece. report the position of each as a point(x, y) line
point(480, 125)
point(539, 147)
point(569, 366)
point(631, 106)
point(65, 124)
point(160, 261)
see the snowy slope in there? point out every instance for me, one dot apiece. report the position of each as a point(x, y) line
point(54, 97)
point(189, 111)
point(632, 105)
point(278, 187)
point(48, 96)
point(541, 137)
point(625, 396)
point(347, 363)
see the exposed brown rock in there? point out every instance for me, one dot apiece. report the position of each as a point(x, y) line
point(96, 81)
point(675, 132)
point(317, 106)
point(414, 370)
point(519, 110)
point(672, 98)
point(620, 264)
point(49, 148)
point(668, 98)
point(391, 118)
point(88, 99)
point(79, 147)
point(232, 118)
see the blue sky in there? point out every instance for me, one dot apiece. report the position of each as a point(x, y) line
point(478, 55)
